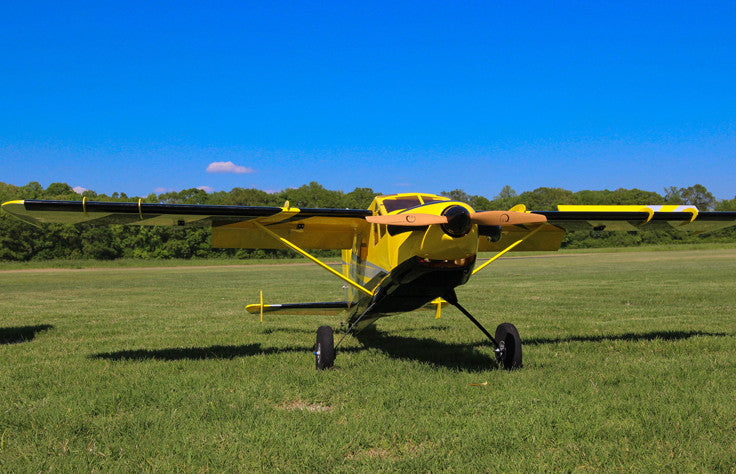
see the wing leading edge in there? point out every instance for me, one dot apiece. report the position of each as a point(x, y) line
point(636, 218)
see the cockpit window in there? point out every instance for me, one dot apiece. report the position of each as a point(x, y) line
point(400, 203)
point(428, 199)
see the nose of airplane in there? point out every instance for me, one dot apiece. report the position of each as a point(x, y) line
point(458, 221)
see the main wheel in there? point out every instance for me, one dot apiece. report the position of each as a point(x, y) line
point(324, 352)
point(509, 351)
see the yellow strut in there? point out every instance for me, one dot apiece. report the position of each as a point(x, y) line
point(438, 312)
point(507, 249)
point(318, 262)
point(261, 293)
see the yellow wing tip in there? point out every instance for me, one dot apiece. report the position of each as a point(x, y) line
point(17, 208)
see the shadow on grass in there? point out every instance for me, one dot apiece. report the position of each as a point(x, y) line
point(197, 353)
point(289, 331)
point(647, 336)
point(21, 334)
point(430, 351)
point(440, 354)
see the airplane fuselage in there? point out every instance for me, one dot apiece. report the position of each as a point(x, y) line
point(408, 267)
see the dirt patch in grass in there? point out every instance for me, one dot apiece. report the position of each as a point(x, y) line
point(301, 405)
point(405, 450)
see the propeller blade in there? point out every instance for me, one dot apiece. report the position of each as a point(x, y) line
point(412, 220)
point(506, 218)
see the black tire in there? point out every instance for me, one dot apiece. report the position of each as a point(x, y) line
point(324, 351)
point(507, 334)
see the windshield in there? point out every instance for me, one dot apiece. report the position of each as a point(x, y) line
point(401, 203)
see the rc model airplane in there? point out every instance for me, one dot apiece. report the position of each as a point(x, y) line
point(405, 252)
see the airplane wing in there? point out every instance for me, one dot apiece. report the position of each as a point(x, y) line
point(232, 226)
point(610, 218)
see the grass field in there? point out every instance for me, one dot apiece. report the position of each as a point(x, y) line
point(629, 364)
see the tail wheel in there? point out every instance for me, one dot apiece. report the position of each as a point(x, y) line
point(324, 352)
point(509, 346)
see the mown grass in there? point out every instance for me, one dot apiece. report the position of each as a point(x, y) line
point(629, 364)
point(145, 263)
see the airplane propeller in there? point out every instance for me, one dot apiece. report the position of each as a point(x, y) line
point(456, 220)
point(480, 218)
point(506, 218)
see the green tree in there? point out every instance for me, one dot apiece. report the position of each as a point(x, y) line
point(59, 190)
point(673, 195)
point(32, 190)
point(726, 205)
point(250, 197)
point(504, 200)
point(457, 195)
point(476, 202)
point(699, 197)
point(544, 199)
point(507, 192)
point(312, 195)
point(359, 198)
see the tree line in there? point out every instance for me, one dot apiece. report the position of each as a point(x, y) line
point(21, 242)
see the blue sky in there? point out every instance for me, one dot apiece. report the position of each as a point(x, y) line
point(139, 97)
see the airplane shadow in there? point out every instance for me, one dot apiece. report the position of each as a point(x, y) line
point(20, 334)
point(288, 331)
point(196, 353)
point(629, 336)
point(430, 351)
point(463, 357)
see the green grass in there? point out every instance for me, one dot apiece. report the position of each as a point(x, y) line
point(629, 364)
point(143, 263)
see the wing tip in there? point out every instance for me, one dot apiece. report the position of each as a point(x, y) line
point(17, 209)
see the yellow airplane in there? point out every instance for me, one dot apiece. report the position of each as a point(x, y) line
point(405, 252)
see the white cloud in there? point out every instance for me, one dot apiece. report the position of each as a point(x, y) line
point(228, 167)
point(79, 189)
point(207, 189)
point(163, 190)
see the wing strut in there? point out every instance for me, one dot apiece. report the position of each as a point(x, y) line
point(304, 253)
point(507, 249)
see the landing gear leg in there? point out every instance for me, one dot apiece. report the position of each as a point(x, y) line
point(325, 350)
point(507, 342)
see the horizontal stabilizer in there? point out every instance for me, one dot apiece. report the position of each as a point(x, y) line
point(329, 307)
